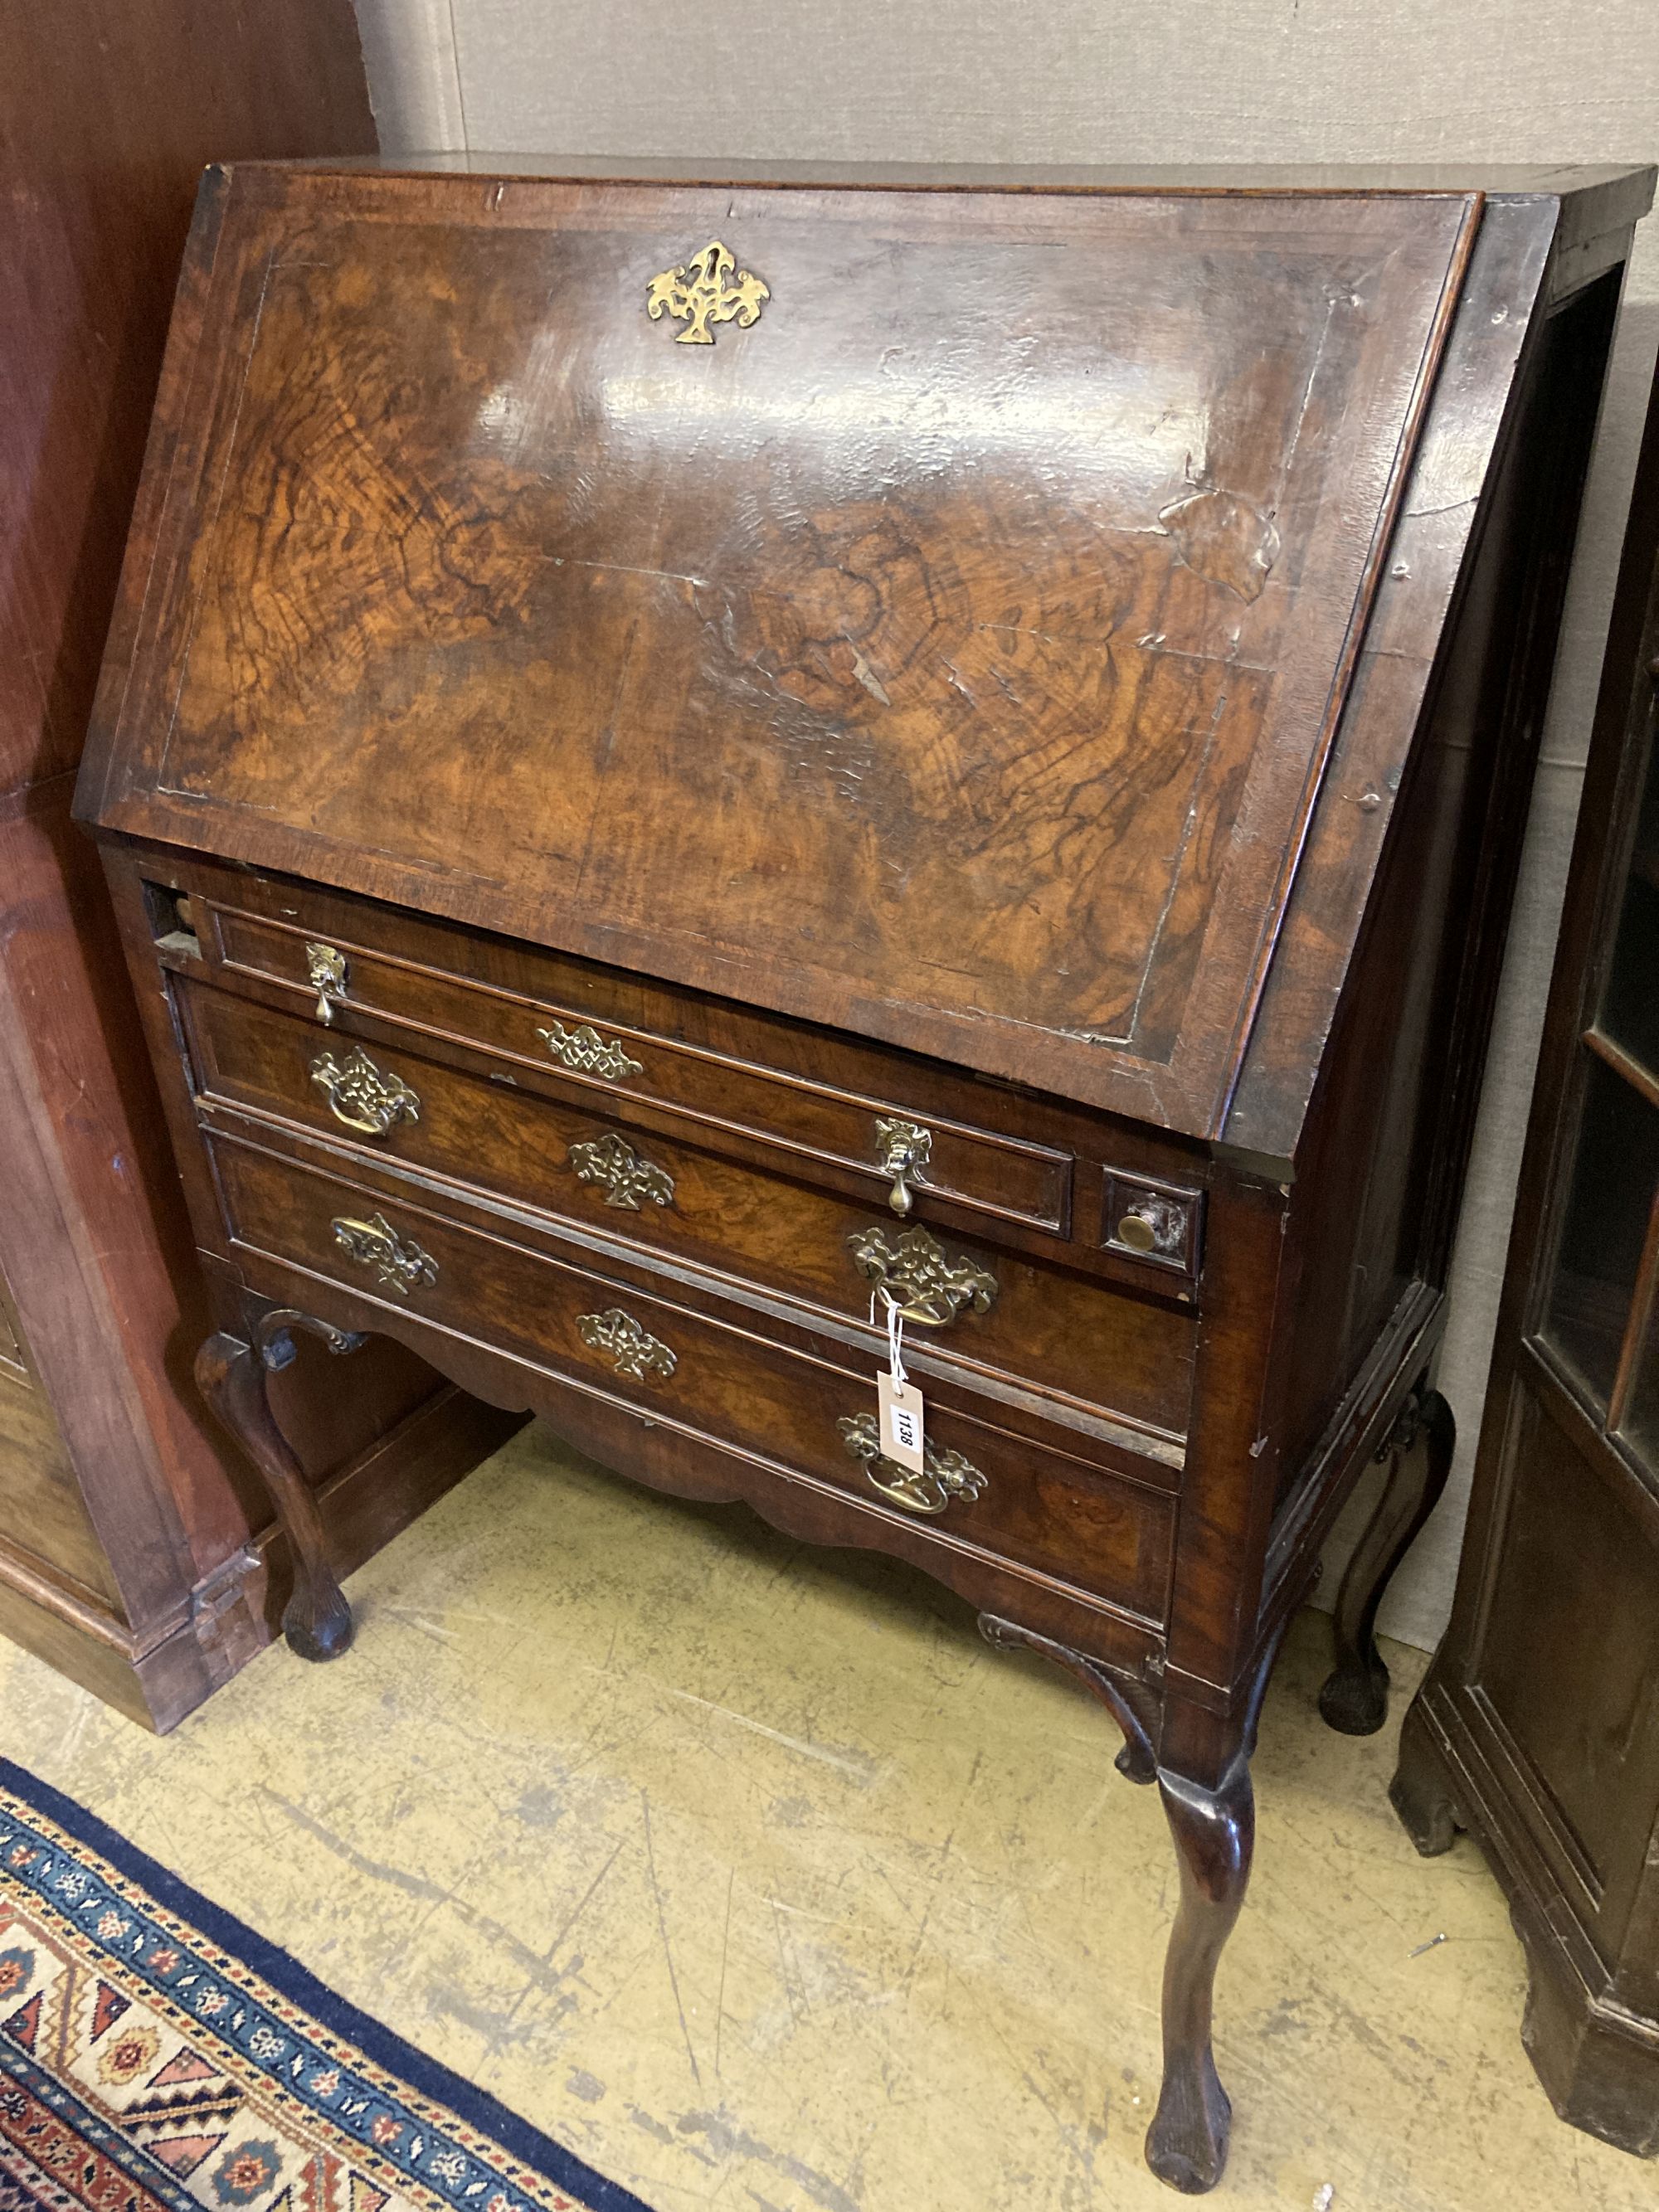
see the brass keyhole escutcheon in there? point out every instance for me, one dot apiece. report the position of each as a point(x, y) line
point(709, 287)
point(585, 1052)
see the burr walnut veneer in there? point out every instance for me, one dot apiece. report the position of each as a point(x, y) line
point(681, 752)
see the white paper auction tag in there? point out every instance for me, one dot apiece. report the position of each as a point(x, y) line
point(901, 1422)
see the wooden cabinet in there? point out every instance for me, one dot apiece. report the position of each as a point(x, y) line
point(133, 1540)
point(696, 766)
point(1537, 1727)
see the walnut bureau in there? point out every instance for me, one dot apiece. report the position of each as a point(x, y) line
point(682, 749)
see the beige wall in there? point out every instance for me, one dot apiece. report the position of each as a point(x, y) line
point(1087, 80)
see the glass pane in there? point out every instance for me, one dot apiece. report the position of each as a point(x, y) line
point(1629, 1011)
point(1615, 1178)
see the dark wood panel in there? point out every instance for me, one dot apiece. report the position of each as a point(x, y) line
point(119, 1501)
point(1384, 1152)
point(41, 1507)
point(1571, 1659)
point(1405, 664)
point(109, 114)
point(1537, 1727)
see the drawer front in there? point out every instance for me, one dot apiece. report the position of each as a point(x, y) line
point(721, 1380)
point(873, 1136)
point(1040, 1325)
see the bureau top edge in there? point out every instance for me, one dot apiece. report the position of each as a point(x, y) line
point(1632, 182)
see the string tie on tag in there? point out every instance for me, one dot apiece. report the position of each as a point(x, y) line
point(895, 1338)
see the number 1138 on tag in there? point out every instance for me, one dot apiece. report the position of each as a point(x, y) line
point(901, 1422)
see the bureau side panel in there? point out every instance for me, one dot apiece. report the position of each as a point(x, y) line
point(1380, 1175)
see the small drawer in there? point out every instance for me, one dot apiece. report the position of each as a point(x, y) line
point(985, 1490)
point(819, 1118)
point(1152, 1220)
point(1047, 1328)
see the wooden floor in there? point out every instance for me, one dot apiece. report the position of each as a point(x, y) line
point(752, 1874)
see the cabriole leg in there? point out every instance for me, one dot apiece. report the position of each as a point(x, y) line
point(231, 1376)
point(1355, 1698)
point(1214, 1834)
point(1213, 1822)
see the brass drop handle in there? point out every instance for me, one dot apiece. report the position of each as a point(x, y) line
point(398, 1261)
point(903, 1150)
point(918, 1276)
point(361, 1095)
point(325, 970)
point(948, 1474)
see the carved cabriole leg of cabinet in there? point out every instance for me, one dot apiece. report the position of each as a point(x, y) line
point(1201, 1764)
point(1204, 1779)
point(1213, 1831)
point(231, 1376)
point(1132, 1704)
point(1355, 1698)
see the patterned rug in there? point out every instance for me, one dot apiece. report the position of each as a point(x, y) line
point(156, 2055)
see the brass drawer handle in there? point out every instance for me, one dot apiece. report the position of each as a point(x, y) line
point(362, 1096)
point(399, 1263)
point(903, 1150)
point(918, 1276)
point(325, 970)
point(949, 1474)
point(624, 1176)
point(586, 1051)
point(633, 1351)
point(1153, 1225)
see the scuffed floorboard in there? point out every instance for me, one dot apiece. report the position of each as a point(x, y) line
point(752, 1874)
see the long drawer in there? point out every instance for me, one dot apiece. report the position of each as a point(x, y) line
point(999, 1311)
point(639, 1052)
point(720, 1379)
